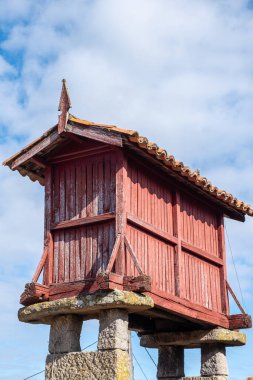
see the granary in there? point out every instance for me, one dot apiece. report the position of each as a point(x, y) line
point(121, 214)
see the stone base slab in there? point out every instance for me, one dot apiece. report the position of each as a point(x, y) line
point(101, 365)
point(194, 339)
point(87, 305)
point(195, 378)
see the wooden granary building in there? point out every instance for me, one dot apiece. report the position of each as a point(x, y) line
point(120, 213)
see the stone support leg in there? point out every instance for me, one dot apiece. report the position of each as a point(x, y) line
point(170, 363)
point(213, 360)
point(65, 334)
point(113, 330)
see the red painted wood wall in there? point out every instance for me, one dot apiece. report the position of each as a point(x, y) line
point(177, 238)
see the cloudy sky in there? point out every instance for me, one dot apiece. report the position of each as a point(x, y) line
point(180, 72)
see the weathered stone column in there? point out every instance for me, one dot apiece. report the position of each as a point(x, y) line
point(213, 352)
point(113, 330)
point(65, 334)
point(214, 361)
point(66, 361)
point(113, 341)
point(170, 363)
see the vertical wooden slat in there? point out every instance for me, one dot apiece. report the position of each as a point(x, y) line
point(48, 267)
point(121, 194)
point(62, 207)
point(178, 234)
point(223, 269)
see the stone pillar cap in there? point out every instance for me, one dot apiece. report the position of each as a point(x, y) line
point(87, 305)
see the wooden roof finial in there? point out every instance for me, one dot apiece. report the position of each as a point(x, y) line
point(64, 106)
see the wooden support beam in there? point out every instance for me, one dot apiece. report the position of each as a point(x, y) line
point(109, 281)
point(239, 321)
point(87, 152)
point(103, 281)
point(140, 323)
point(48, 238)
point(137, 284)
point(96, 134)
point(40, 265)
point(201, 253)
point(187, 308)
point(235, 298)
point(114, 254)
point(71, 289)
point(151, 229)
point(134, 257)
point(51, 138)
point(34, 293)
point(83, 221)
point(39, 162)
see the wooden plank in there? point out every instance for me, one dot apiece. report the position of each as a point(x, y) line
point(62, 210)
point(176, 211)
point(34, 293)
point(134, 257)
point(202, 254)
point(48, 270)
point(223, 269)
point(40, 265)
point(114, 254)
point(103, 281)
point(121, 188)
point(50, 257)
point(43, 144)
point(139, 284)
point(83, 221)
point(151, 229)
point(187, 309)
point(96, 134)
point(107, 281)
point(84, 153)
point(39, 162)
point(239, 321)
point(235, 298)
point(70, 289)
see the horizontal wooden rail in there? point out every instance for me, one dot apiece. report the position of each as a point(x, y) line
point(201, 253)
point(151, 229)
point(173, 239)
point(83, 221)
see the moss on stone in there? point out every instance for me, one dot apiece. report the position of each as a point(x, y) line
point(87, 305)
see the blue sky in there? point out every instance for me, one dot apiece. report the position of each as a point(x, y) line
point(179, 72)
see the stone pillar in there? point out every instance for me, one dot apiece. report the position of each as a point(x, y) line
point(66, 361)
point(113, 330)
point(170, 363)
point(65, 334)
point(214, 361)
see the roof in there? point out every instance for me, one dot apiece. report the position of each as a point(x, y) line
point(28, 160)
point(169, 160)
point(133, 137)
